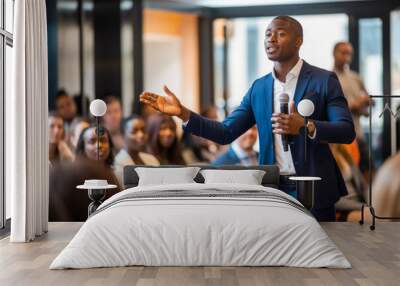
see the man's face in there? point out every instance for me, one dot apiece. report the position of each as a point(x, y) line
point(66, 107)
point(343, 54)
point(135, 135)
point(281, 41)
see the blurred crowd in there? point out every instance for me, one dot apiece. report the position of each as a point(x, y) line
point(78, 151)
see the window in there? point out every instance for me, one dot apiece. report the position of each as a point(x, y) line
point(371, 71)
point(6, 63)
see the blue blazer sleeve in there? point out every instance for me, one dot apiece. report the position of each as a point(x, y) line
point(237, 122)
point(338, 126)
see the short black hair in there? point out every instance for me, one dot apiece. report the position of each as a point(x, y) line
point(295, 24)
point(338, 44)
point(61, 93)
point(55, 114)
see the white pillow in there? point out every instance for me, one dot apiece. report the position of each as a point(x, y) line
point(248, 177)
point(165, 176)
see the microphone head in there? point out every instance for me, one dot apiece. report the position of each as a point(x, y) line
point(284, 98)
point(305, 107)
point(98, 107)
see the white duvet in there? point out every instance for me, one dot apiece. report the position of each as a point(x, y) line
point(203, 231)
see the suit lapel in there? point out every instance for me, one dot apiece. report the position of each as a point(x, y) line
point(269, 104)
point(302, 82)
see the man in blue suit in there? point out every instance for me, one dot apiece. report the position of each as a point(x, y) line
point(241, 151)
point(331, 121)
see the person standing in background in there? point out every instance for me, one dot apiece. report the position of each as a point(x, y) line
point(355, 93)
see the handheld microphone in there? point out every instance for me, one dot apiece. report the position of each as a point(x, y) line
point(284, 103)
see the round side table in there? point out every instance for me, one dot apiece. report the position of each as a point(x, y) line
point(96, 194)
point(305, 189)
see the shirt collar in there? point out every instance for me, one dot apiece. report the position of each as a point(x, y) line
point(293, 73)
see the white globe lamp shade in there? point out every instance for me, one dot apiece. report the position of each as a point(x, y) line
point(98, 108)
point(305, 108)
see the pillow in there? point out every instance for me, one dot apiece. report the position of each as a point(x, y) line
point(166, 176)
point(248, 177)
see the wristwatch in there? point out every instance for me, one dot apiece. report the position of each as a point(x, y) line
point(311, 127)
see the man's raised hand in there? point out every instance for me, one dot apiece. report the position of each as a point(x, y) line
point(168, 104)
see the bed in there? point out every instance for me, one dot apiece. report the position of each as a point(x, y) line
point(201, 224)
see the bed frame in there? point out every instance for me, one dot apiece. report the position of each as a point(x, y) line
point(270, 179)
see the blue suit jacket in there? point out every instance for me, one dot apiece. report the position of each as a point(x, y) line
point(227, 158)
point(331, 116)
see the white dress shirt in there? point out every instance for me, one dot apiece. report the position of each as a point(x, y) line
point(284, 159)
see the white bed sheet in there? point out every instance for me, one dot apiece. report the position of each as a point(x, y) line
point(200, 232)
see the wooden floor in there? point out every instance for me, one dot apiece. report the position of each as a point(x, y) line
point(374, 255)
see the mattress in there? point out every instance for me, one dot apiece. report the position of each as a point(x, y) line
point(201, 225)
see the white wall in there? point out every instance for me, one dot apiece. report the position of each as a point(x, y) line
point(163, 64)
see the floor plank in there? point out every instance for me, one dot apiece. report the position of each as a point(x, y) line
point(374, 255)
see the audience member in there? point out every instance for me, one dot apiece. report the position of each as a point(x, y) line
point(135, 141)
point(386, 188)
point(163, 140)
point(241, 151)
point(66, 203)
point(66, 108)
point(112, 121)
point(355, 93)
point(201, 149)
point(58, 149)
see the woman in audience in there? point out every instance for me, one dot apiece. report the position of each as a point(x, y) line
point(112, 121)
point(163, 140)
point(135, 141)
point(386, 188)
point(58, 148)
point(66, 203)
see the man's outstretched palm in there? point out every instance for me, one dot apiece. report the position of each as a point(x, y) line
point(168, 104)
